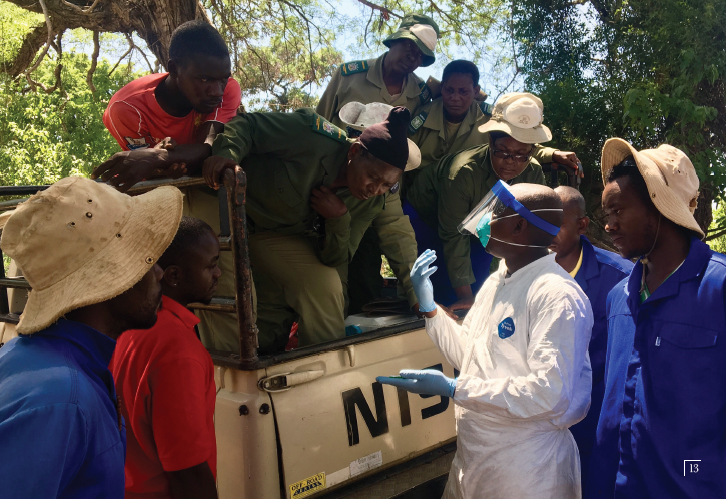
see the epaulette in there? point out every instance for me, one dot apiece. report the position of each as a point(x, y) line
point(324, 127)
point(425, 94)
point(486, 108)
point(417, 121)
point(351, 68)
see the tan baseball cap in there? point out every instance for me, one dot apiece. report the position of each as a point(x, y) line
point(358, 116)
point(519, 115)
point(669, 175)
point(81, 242)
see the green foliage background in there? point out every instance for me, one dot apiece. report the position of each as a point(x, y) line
point(47, 136)
point(650, 71)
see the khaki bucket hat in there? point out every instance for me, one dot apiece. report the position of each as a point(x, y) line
point(669, 174)
point(423, 31)
point(81, 242)
point(519, 115)
point(358, 116)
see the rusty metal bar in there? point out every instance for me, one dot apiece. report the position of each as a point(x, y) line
point(4, 298)
point(218, 304)
point(139, 188)
point(13, 282)
point(181, 183)
point(10, 205)
point(10, 318)
point(22, 190)
point(235, 182)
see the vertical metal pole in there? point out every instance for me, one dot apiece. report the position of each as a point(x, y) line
point(235, 182)
point(224, 228)
point(4, 300)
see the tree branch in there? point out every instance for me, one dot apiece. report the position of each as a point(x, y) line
point(131, 47)
point(56, 74)
point(454, 22)
point(32, 43)
point(58, 68)
point(94, 61)
point(711, 237)
point(202, 12)
point(47, 43)
point(602, 11)
point(517, 69)
point(85, 11)
point(383, 10)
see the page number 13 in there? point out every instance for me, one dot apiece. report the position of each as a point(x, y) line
point(690, 466)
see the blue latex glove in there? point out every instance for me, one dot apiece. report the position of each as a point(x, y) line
point(420, 274)
point(426, 382)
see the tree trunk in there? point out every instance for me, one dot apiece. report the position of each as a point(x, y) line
point(152, 20)
point(156, 20)
point(704, 210)
point(32, 43)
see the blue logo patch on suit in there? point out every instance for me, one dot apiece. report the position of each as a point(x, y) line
point(506, 328)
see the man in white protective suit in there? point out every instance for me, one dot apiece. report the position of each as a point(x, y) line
point(522, 353)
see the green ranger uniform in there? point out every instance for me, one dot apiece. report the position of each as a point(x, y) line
point(362, 81)
point(285, 156)
point(444, 193)
point(428, 132)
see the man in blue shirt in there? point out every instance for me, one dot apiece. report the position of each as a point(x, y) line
point(89, 254)
point(596, 271)
point(662, 428)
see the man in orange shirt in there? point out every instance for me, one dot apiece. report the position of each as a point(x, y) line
point(165, 379)
point(189, 105)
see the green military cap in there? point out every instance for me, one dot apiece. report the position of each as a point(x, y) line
point(423, 31)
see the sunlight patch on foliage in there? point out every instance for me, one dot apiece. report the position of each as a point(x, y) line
point(45, 137)
point(14, 24)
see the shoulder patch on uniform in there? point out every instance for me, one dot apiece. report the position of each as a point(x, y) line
point(486, 108)
point(351, 68)
point(425, 94)
point(324, 127)
point(417, 122)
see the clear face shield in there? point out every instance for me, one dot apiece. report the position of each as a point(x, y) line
point(491, 208)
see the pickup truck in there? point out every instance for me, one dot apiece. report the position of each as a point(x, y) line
point(311, 422)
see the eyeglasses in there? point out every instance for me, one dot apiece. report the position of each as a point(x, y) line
point(519, 158)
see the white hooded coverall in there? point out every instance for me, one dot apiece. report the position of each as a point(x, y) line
point(525, 379)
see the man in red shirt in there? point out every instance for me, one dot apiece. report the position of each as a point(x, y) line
point(165, 379)
point(189, 105)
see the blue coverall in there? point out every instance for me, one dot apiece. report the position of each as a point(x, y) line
point(600, 271)
point(662, 428)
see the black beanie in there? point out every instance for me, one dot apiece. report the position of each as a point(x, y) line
point(388, 140)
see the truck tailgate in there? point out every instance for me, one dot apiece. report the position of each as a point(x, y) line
point(343, 426)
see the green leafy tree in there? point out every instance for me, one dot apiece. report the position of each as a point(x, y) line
point(717, 230)
point(280, 50)
point(47, 136)
point(651, 72)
